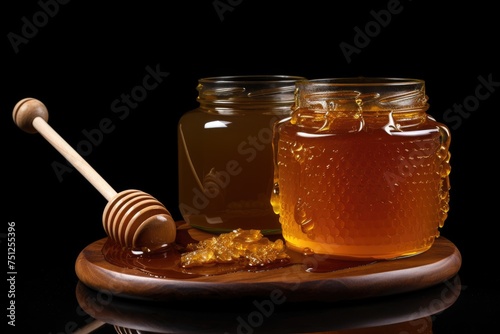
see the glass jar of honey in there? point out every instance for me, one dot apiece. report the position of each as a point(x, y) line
point(361, 169)
point(225, 155)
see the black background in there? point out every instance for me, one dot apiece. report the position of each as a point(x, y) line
point(79, 57)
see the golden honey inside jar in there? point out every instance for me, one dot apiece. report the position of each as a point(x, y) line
point(361, 169)
point(225, 155)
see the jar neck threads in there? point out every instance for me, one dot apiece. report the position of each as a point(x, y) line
point(321, 103)
point(237, 94)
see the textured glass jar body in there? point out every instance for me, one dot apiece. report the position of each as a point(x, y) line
point(225, 152)
point(361, 169)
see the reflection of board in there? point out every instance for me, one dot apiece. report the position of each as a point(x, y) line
point(402, 313)
point(438, 264)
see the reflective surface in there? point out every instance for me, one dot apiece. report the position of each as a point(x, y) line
point(411, 312)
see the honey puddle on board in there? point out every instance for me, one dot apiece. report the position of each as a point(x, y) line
point(237, 251)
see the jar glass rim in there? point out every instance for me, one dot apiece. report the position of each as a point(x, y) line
point(262, 78)
point(362, 81)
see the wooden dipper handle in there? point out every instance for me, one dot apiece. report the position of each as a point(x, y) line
point(31, 115)
point(131, 218)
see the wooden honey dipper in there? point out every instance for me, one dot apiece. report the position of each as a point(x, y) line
point(131, 218)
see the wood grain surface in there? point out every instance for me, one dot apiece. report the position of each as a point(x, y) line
point(380, 278)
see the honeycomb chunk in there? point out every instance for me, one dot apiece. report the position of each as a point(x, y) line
point(243, 247)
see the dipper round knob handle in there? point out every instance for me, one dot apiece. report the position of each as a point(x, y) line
point(26, 110)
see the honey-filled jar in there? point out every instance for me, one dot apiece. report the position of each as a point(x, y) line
point(361, 169)
point(225, 156)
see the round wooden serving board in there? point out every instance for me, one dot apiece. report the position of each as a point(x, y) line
point(379, 278)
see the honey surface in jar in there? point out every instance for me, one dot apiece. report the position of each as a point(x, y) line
point(361, 181)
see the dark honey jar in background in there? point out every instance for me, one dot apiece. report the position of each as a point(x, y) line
point(361, 170)
point(225, 152)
